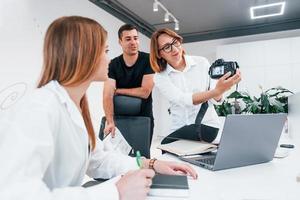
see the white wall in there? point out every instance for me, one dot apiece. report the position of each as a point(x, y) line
point(23, 24)
point(268, 63)
point(269, 59)
point(208, 48)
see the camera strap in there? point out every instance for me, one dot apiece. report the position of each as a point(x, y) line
point(205, 133)
point(199, 118)
point(201, 113)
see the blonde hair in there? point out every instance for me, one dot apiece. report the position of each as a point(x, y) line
point(72, 49)
point(158, 64)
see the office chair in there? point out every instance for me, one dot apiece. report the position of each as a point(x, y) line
point(135, 129)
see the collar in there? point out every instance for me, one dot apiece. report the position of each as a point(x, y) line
point(65, 99)
point(189, 61)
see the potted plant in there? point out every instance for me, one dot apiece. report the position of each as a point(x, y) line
point(273, 100)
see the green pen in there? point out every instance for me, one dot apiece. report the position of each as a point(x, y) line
point(138, 159)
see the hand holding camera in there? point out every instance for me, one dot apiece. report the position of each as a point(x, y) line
point(219, 68)
point(228, 74)
point(227, 81)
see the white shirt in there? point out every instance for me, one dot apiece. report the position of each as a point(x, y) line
point(44, 151)
point(179, 86)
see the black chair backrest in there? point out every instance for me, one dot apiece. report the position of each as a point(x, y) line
point(127, 106)
point(136, 131)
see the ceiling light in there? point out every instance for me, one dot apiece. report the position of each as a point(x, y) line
point(167, 17)
point(168, 14)
point(176, 26)
point(155, 6)
point(268, 6)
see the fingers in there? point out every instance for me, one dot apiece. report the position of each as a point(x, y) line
point(113, 129)
point(148, 173)
point(109, 129)
point(232, 80)
point(113, 133)
point(237, 77)
point(135, 184)
point(130, 172)
point(106, 131)
point(148, 182)
point(187, 169)
point(191, 171)
point(225, 76)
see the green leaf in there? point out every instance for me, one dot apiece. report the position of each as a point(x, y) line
point(227, 108)
point(277, 105)
point(252, 108)
point(235, 95)
point(265, 104)
point(274, 100)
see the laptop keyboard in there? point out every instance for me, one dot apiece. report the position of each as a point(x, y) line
point(209, 161)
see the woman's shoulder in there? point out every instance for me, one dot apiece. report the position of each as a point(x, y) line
point(43, 97)
point(36, 102)
point(160, 78)
point(38, 105)
point(200, 63)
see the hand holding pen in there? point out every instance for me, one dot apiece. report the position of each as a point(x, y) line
point(138, 181)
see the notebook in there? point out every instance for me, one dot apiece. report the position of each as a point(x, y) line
point(169, 186)
point(246, 140)
point(187, 147)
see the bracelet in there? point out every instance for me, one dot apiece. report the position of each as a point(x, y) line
point(151, 163)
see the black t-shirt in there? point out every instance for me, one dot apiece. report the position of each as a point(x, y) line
point(131, 77)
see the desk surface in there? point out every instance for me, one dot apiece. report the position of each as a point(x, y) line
point(275, 180)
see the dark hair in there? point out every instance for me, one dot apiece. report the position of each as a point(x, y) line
point(126, 27)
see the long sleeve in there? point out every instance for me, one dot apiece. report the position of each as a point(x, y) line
point(108, 164)
point(171, 92)
point(211, 84)
point(27, 148)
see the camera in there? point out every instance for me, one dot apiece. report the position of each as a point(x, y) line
point(220, 67)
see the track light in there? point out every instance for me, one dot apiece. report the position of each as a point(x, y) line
point(176, 26)
point(155, 6)
point(167, 16)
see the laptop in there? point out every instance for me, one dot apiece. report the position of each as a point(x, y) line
point(246, 140)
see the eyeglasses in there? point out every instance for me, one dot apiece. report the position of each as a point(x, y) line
point(169, 46)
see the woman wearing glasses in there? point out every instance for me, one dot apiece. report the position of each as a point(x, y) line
point(184, 81)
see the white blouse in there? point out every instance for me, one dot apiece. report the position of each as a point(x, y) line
point(179, 86)
point(44, 151)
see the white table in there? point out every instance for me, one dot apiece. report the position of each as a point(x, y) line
point(275, 180)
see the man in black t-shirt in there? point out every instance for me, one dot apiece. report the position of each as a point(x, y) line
point(129, 74)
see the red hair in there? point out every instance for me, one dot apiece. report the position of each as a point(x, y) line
point(72, 50)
